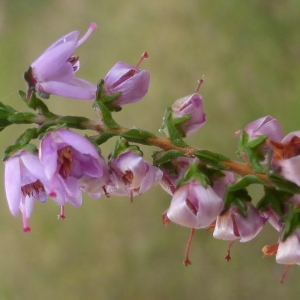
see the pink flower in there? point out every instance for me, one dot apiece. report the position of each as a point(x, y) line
point(192, 106)
point(25, 181)
point(131, 174)
point(132, 82)
point(194, 205)
point(232, 225)
point(288, 252)
point(53, 72)
point(69, 158)
point(264, 126)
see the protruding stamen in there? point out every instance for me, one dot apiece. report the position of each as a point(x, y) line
point(62, 216)
point(187, 261)
point(144, 56)
point(87, 34)
point(228, 255)
point(285, 273)
point(26, 227)
point(200, 81)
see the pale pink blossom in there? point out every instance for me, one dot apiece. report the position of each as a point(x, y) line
point(69, 158)
point(191, 106)
point(194, 205)
point(132, 82)
point(232, 225)
point(25, 180)
point(132, 175)
point(53, 72)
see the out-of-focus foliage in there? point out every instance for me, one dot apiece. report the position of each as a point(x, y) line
point(248, 52)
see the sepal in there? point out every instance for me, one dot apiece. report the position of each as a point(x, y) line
point(122, 146)
point(107, 99)
point(174, 134)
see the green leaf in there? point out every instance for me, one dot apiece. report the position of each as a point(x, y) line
point(72, 121)
point(212, 159)
point(106, 115)
point(122, 146)
point(193, 172)
point(245, 182)
point(137, 136)
point(104, 137)
point(22, 118)
point(237, 198)
point(274, 199)
point(174, 134)
point(283, 184)
point(254, 144)
point(291, 222)
point(163, 157)
point(254, 160)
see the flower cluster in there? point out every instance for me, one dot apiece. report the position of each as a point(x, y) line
point(208, 190)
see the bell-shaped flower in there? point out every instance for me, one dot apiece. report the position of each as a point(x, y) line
point(288, 251)
point(25, 180)
point(53, 72)
point(194, 205)
point(192, 107)
point(132, 82)
point(68, 158)
point(131, 174)
point(232, 225)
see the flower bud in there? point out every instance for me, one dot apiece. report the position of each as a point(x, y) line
point(264, 126)
point(232, 225)
point(194, 205)
point(192, 107)
point(132, 82)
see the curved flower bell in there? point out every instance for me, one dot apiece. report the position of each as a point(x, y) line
point(53, 72)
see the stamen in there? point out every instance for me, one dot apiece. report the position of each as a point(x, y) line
point(32, 189)
point(285, 273)
point(26, 227)
point(65, 157)
point(228, 256)
point(200, 81)
point(62, 216)
point(187, 261)
point(144, 56)
point(87, 34)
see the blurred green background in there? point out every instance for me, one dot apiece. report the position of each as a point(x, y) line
point(248, 52)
